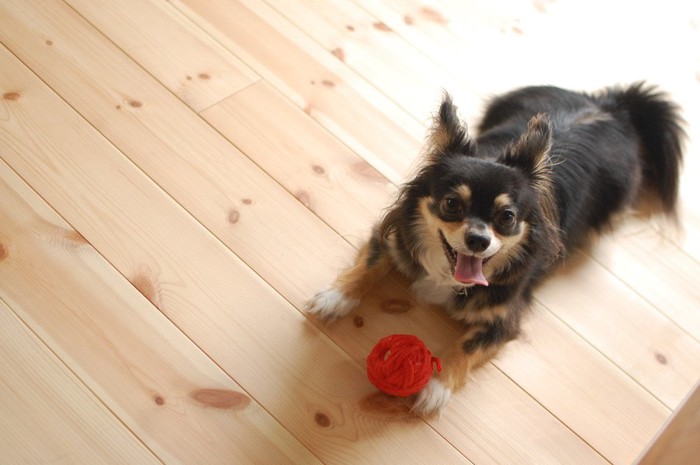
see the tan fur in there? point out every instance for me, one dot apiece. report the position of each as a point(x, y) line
point(502, 200)
point(538, 137)
point(465, 192)
point(357, 280)
point(509, 249)
point(456, 364)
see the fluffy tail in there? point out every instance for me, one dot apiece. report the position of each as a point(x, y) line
point(659, 126)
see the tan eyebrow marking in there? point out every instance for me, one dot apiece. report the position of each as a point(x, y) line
point(502, 200)
point(464, 191)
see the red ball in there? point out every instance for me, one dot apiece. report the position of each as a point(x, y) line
point(400, 365)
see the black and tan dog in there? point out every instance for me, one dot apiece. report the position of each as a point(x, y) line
point(485, 219)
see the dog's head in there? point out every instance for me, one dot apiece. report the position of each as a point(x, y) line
point(469, 219)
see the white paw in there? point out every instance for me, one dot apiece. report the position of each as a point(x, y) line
point(330, 303)
point(431, 398)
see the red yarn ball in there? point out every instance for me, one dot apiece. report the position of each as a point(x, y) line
point(400, 365)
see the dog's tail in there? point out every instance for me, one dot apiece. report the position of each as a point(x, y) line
point(659, 126)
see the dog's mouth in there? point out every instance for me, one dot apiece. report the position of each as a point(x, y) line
point(466, 269)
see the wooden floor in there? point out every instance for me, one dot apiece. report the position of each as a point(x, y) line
point(177, 177)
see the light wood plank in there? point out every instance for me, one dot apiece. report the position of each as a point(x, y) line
point(479, 423)
point(324, 173)
point(184, 407)
point(315, 81)
point(541, 422)
point(160, 281)
point(296, 373)
point(678, 441)
point(48, 416)
point(480, 420)
point(377, 53)
point(188, 62)
point(656, 268)
point(582, 388)
point(485, 56)
point(513, 43)
point(242, 205)
point(627, 329)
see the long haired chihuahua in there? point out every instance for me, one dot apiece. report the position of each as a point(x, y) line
point(485, 219)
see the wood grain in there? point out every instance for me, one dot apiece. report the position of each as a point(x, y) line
point(306, 382)
point(557, 367)
point(179, 151)
point(48, 415)
point(178, 176)
point(618, 322)
point(325, 173)
point(164, 389)
point(376, 52)
point(656, 268)
point(376, 323)
point(315, 80)
point(678, 441)
point(181, 56)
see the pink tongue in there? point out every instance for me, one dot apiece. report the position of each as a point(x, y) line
point(468, 270)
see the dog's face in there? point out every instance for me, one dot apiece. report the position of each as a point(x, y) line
point(470, 218)
point(474, 219)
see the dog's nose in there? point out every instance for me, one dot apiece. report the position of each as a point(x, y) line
point(477, 242)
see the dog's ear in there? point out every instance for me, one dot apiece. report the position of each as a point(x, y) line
point(530, 153)
point(448, 134)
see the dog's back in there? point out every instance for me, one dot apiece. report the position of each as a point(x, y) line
point(605, 147)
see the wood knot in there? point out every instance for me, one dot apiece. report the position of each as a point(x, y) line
point(433, 15)
point(221, 398)
point(539, 6)
point(661, 358)
point(319, 170)
point(350, 28)
point(322, 419)
point(380, 26)
point(358, 321)
point(304, 198)
point(159, 400)
point(74, 236)
point(11, 96)
point(49, 42)
point(339, 53)
point(144, 284)
point(390, 407)
point(328, 83)
point(396, 306)
point(233, 216)
point(366, 171)
point(3, 252)
point(408, 20)
point(203, 76)
point(135, 103)
point(247, 201)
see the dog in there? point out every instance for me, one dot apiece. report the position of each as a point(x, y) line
point(486, 218)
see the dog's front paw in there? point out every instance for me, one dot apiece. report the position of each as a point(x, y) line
point(330, 303)
point(431, 398)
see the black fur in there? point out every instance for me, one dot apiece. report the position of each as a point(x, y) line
point(547, 167)
point(568, 161)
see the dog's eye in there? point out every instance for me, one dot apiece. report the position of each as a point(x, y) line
point(506, 219)
point(451, 206)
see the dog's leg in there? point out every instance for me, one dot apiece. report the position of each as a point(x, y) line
point(341, 297)
point(476, 347)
